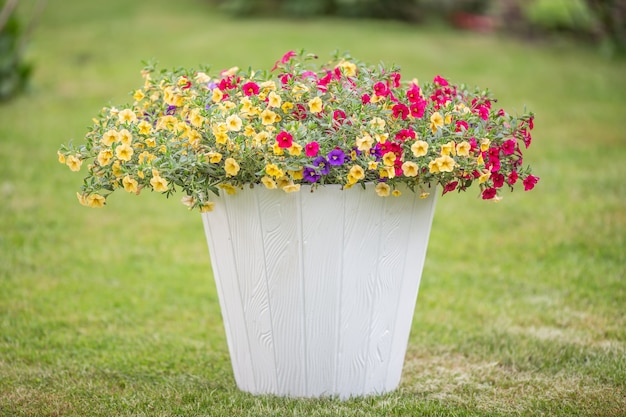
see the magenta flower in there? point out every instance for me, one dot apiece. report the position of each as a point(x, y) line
point(498, 180)
point(489, 193)
point(395, 80)
point(400, 110)
point(250, 89)
point(365, 98)
point(413, 93)
point(405, 134)
point(440, 81)
point(418, 108)
point(451, 186)
point(284, 59)
point(284, 139)
point(529, 182)
point(380, 89)
point(512, 179)
point(508, 147)
point(311, 149)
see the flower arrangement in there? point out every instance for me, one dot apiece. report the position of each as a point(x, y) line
point(343, 122)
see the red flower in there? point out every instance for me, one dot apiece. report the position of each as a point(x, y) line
point(498, 180)
point(285, 78)
point(300, 112)
point(339, 115)
point(451, 186)
point(489, 193)
point(460, 125)
point(418, 108)
point(413, 93)
point(395, 80)
point(365, 98)
point(512, 178)
point(529, 182)
point(284, 139)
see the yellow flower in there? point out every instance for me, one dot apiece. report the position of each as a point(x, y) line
point(315, 105)
point(364, 143)
point(73, 162)
point(357, 172)
point(349, 68)
point(202, 78)
point(127, 116)
point(419, 148)
point(269, 183)
point(124, 152)
point(138, 95)
point(194, 138)
point(147, 157)
point(287, 106)
point(484, 144)
point(389, 158)
point(424, 194)
point(104, 157)
point(448, 119)
point(410, 169)
point(249, 131)
point(81, 198)
point(144, 127)
point(484, 176)
point(274, 100)
point(229, 188)
point(396, 193)
point(130, 184)
point(480, 160)
point(109, 137)
point(445, 163)
point(273, 171)
point(463, 148)
point(267, 117)
point(158, 183)
point(261, 137)
point(277, 149)
point(217, 95)
point(291, 188)
point(151, 142)
point(283, 181)
point(381, 137)
point(383, 189)
point(446, 148)
point(188, 201)
point(234, 123)
point(221, 138)
point(433, 166)
point(116, 168)
point(95, 201)
point(214, 157)
point(231, 167)
point(372, 165)
point(125, 137)
point(295, 149)
point(296, 175)
point(61, 157)
point(377, 123)
point(436, 121)
point(207, 207)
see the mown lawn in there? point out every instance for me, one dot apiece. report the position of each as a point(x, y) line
point(113, 312)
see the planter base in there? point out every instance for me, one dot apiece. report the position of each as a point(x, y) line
point(318, 289)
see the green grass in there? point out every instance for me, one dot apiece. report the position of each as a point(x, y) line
point(113, 312)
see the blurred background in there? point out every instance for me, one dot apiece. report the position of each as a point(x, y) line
point(113, 311)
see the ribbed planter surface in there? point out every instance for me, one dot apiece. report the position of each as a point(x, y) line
point(317, 289)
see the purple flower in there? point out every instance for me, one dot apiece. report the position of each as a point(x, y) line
point(336, 157)
point(170, 110)
point(310, 175)
point(322, 164)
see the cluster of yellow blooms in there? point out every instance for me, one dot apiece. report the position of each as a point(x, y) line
point(343, 122)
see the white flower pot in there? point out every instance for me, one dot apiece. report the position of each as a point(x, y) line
point(318, 289)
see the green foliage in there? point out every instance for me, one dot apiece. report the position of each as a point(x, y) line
point(570, 15)
point(14, 72)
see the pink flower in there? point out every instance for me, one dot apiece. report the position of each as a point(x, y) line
point(461, 125)
point(311, 149)
point(451, 186)
point(284, 139)
point(405, 134)
point(400, 110)
point(284, 59)
point(365, 98)
point(508, 147)
point(380, 89)
point(339, 115)
point(413, 93)
point(395, 80)
point(512, 179)
point(418, 108)
point(498, 180)
point(285, 78)
point(529, 182)
point(250, 89)
point(440, 81)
